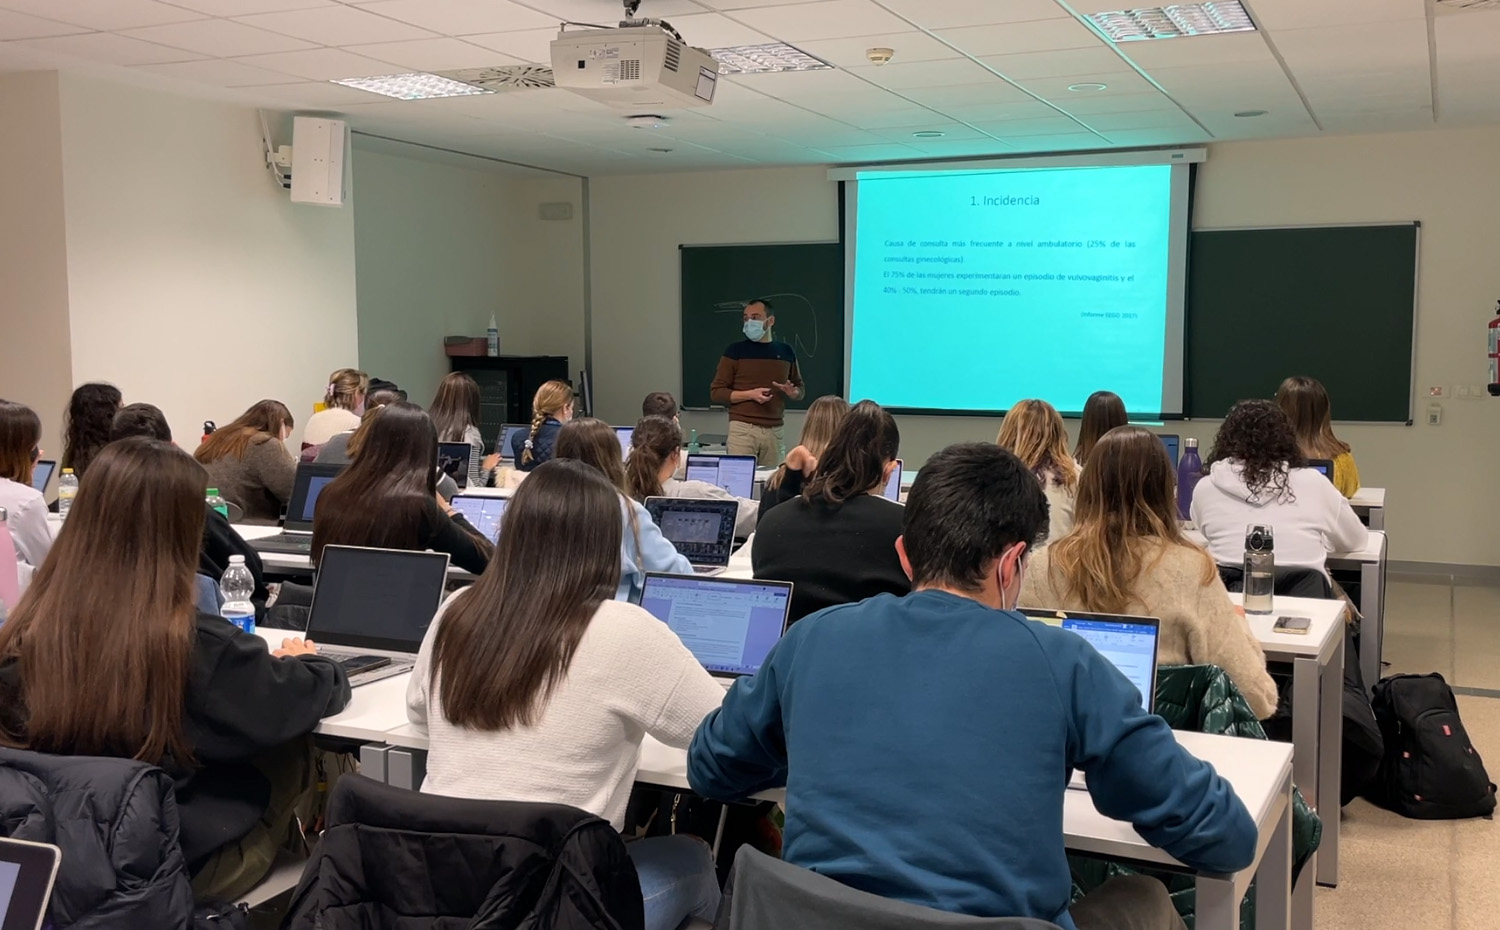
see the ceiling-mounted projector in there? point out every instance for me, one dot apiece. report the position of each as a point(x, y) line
point(641, 64)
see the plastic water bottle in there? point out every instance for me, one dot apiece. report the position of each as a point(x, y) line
point(215, 502)
point(1260, 568)
point(237, 586)
point(67, 489)
point(694, 446)
point(492, 339)
point(1189, 470)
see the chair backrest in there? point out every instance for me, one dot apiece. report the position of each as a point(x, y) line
point(1287, 581)
point(765, 893)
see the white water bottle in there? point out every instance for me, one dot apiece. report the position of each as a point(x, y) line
point(492, 338)
point(237, 586)
point(67, 489)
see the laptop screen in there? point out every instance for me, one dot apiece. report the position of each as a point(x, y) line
point(733, 473)
point(453, 461)
point(376, 598)
point(483, 513)
point(312, 478)
point(1129, 643)
point(623, 433)
point(701, 529)
point(1171, 443)
point(892, 490)
point(27, 872)
point(1323, 467)
point(727, 624)
point(506, 432)
point(40, 475)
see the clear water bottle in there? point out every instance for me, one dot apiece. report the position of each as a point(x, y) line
point(1260, 568)
point(237, 586)
point(1189, 471)
point(215, 502)
point(67, 489)
point(694, 446)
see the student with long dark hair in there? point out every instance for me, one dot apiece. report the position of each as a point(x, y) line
point(1304, 400)
point(1102, 412)
point(107, 656)
point(822, 420)
point(1127, 555)
point(656, 458)
point(1257, 474)
point(455, 414)
point(837, 542)
point(387, 499)
point(91, 412)
point(536, 685)
point(249, 463)
point(642, 546)
point(25, 507)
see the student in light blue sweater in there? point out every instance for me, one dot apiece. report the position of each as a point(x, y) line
point(925, 741)
point(644, 548)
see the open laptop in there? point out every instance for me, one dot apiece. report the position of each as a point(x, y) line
point(506, 432)
point(892, 490)
point(1324, 466)
point(1172, 442)
point(1129, 643)
point(483, 513)
point(453, 461)
point(371, 608)
point(733, 473)
point(624, 434)
point(701, 529)
point(27, 873)
point(295, 537)
point(728, 624)
point(41, 473)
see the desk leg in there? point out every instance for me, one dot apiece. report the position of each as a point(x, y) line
point(1273, 880)
point(1377, 518)
point(372, 762)
point(1217, 907)
point(405, 768)
point(1372, 631)
point(1330, 764)
point(1305, 717)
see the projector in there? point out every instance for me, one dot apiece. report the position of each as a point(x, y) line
point(634, 67)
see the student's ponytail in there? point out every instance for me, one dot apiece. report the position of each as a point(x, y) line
point(550, 398)
point(651, 444)
point(854, 461)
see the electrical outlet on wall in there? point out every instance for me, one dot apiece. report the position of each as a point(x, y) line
point(1434, 414)
point(1437, 390)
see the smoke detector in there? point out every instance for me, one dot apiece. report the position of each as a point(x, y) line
point(880, 56)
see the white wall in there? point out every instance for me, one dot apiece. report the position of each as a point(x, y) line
point(1436, 476)
point(35, 363)
point(193, 281)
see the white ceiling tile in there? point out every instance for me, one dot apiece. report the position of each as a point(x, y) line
point(715, 30)
point(528, 45)
point(884, 151)
point(869, 100)
point(248, 7)
point(945, 14)
point(1014, 38)
point(830, 132)
point(220, 72)
point(21, 26)
point(908, 117)
point(315, 94)
point(1367, 83)
point(1061, 142)
point(463, 17)
point(219, 38)
point(1470, 36)
point(790, 84)
point(1137, 119)
point(1058, 63)
point(993, 91)
point(320, 64)
point(926, 74)
point(608, 12)
point(434, 54)
point(1021, 107)
point(934, 123)
point(1207, 77)
point(1014, 128)
point(108, 48)
point(1276, 15)
point(744, 4)
point(1079, 104)
point(1199, 50)
point(960, 148)
point(104, 15)
point(908, 46)
point(1118, 84)
point(1377, 120)
point(1185, 135)
point(336, 25)
point(1367, 46)
point(828, 19)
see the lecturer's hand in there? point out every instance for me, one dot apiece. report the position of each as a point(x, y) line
point(296, 647)
point(786, 387)
point(800, 459)
point(759, 395)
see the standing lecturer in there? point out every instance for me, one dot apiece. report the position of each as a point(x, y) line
point(755, 376)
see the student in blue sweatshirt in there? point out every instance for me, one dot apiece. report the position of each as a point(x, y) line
point(925, 741)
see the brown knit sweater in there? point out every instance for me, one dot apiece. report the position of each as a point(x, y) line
point(747, 365)
point(260, 481)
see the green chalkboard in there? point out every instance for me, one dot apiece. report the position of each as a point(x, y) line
point(1333, 302)
point(805, 284)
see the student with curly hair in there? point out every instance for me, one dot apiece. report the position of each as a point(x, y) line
point(91, 413)
point(1257, 474)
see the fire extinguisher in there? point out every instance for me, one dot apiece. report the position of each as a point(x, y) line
point(209, 427)
point(1495, 352)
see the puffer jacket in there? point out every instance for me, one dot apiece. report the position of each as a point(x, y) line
point(1203, 699)
point(116, 823)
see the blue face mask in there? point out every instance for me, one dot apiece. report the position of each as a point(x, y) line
point(755, 330)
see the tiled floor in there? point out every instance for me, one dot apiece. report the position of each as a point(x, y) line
point(1439, 875)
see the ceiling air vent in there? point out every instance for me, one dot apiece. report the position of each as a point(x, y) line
point(674, 55)
point(505, 77)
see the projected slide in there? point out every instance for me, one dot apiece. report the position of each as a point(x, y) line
point(973, 291)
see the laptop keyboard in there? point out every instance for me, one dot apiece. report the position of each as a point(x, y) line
point(284, 542)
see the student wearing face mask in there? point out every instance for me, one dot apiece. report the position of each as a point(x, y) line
point(755, 377)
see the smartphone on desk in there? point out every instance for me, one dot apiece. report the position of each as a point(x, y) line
point(1292, 625)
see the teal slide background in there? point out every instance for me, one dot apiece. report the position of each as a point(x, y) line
point(1021, 328)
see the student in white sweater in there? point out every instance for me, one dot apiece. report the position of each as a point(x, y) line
point(535, 685)
point(25, 507)
point(1033, 431)
point(344, 400)
point(1126, 555)
point(1257, 475)
point(655, 456)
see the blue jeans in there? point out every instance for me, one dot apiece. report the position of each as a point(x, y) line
point(677, 879)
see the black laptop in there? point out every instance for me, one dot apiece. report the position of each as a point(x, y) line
point(296, 535)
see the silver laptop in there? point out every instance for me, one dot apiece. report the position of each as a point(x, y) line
point(1129, 643)
point(733, 473)
point(371, 608)
point(728, 624)
point(701, 529)
point(483, 512)
point(27, 873)
point(295, 537)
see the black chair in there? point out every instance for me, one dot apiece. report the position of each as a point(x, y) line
point(1286, 582)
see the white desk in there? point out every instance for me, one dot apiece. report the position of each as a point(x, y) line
point(1317, 660)
point(1370, 562)
point(1370, 504)
point(287, 563)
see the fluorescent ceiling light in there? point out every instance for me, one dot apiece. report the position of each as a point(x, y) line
point(1170, 22)
point(762, 59)
point(416, 85)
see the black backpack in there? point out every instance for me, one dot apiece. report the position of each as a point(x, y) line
point(1430, 770)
